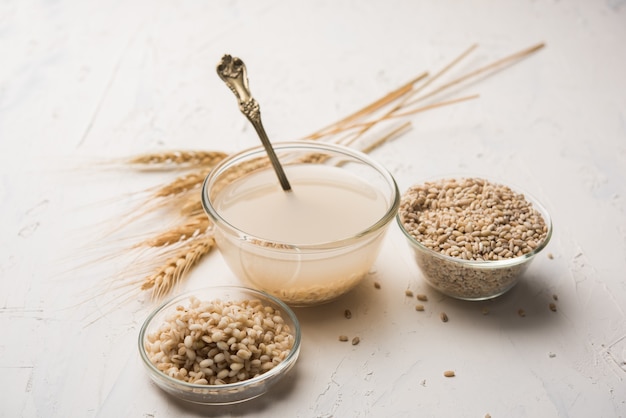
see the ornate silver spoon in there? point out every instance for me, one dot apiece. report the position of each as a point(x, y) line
point(233, 72)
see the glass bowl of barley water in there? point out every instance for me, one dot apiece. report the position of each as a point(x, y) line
point(309, 245)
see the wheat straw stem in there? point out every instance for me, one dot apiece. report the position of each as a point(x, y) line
point(404, 93)
point(496, 65)
point(389, 136)
point(336, 127)
point(403, 102)
point(367, 125)
point(499, 64)
point(432, 79)
point(422, 109)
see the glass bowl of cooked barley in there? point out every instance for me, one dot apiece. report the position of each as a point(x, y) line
point(219, 345)
point(472, 238)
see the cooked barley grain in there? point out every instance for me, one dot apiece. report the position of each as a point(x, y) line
point(235, 341)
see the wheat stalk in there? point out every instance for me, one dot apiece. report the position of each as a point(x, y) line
point(177, 159)
point(390, 97)
point(404, 99)
point(192, 206)
point(485, 70)
point(400, 130)
point(193, 227)
point(402, 95)
point(183, 183)
point(395, 114)
point(167, 276)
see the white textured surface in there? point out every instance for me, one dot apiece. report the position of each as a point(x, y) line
point(89, 79)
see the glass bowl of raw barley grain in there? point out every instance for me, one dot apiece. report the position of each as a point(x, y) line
point(472, 237)
point(219, 345)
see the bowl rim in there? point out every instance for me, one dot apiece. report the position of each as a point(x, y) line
point(484, 264)
point(360, 156)
point(191, 387)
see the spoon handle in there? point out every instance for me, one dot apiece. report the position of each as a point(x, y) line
point(232, 71)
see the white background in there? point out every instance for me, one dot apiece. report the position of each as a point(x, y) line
point(82, 82)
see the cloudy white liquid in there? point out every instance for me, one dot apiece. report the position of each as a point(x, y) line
point(325, 204)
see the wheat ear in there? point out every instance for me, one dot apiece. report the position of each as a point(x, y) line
point(177, 159)
point(193, 226)
point(166, 277)
point(192, 206)
point(183, 183)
